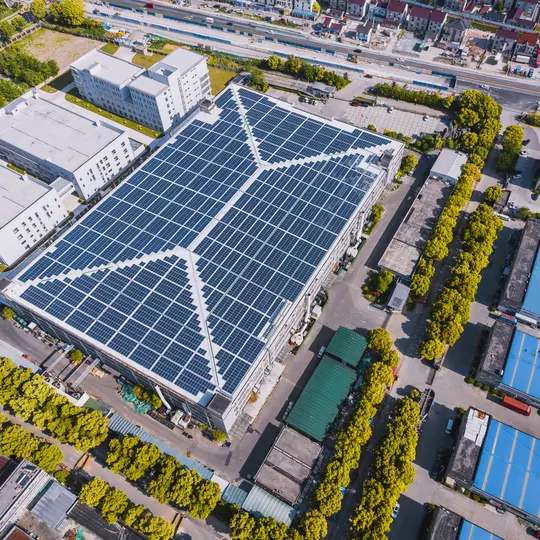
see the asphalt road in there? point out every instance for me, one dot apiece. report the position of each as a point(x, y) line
point(296, 38)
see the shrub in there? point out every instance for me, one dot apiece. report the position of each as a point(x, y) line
point(486, 387)
point(476, 497)
point(478, 384)
point(469, 380)
point(218, 436)
point(460, 410)
point(467, 493)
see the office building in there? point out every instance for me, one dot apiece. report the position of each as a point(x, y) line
point(498, 463)
point(49, 141)
point(158, 97)
point(194, 273)
point(521, 294)
point(30, 211)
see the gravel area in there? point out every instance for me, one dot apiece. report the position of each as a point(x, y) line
point(46, 44)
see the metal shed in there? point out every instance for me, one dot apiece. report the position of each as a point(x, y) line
point(321, 399)
point(54, 505)
point(348, 346)
point(262, 504)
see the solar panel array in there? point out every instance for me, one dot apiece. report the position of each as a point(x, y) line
point(509, 467)
point(206, 309)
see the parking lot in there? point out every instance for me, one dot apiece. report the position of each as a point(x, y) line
point(403, 122)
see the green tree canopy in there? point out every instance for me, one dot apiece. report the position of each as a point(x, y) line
point(431, 349)
point(7, 313)
point(7, 30)
point(492, 194)
point(408, 163)
point(274, 62)
point(38, 9)
point(93, 492)
point(68, 12)
point(314, 525)
point(113, 505)
point(206, 495)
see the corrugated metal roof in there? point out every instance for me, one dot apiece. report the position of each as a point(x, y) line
point(54, 504)
point(234, 495)
point(120, 425)
point(348, 346)
point(319, 403)
point(261, 503)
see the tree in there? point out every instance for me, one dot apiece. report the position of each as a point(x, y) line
point(499, 7)
point(467, 118)
point(48, 456)
point(38, 9)
point(316, 8)
point(18, 23)
point(218, 436)
point(469, 140)
point(68, 12)
point(92, 493)
point(132, 515)
point(380, 340)
point(451, 331)
point(376, 213)
point(493, 194)
point(7, 313)
point(408, 163)
point(435, 249)
point(7, 31)
point(205, 497)
point(314, 525)
point(113, 504)
point(242, 526)
point(77, 356)
point(155, 527)
point(274, 62)
point(257, 80)
point(431, 349)
point(382, 281)
point(293, 65)
point(420, 284)
point(371, 127)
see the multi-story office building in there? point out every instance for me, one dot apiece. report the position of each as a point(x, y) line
point(49, 141)
point(30, 211)
point(158, 97)
point(193, 274)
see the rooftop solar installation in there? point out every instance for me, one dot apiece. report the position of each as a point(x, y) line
point(469, 531)
point(509, 467)
point(522, 368)
point(183, 269)
point(532, 296)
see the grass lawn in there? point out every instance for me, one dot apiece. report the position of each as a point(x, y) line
point(146, 61)
point(483, 27)
point(60, 82)
point(110, 48)
point(73, 97)
point(219, 79)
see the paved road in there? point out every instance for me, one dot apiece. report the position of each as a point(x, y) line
point(297, 39)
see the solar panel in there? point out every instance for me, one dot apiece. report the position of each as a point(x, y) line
point(137, 276)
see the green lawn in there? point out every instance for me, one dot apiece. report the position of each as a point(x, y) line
point(60, 82)
point(483, 27)
point(110, 48)
point(73, 97)
point(219, 79)
point(146, 61)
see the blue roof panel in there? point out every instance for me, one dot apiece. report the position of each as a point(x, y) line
point(469, 531)
point(532, 296)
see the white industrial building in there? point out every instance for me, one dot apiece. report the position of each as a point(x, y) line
point(447, 166)
point(158, 97)
point(49, 141)
point(30, 211)
point(192, 276)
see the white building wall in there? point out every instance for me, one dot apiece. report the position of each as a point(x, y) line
point(24, 231)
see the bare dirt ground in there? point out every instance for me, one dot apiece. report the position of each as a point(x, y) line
point(46, 44)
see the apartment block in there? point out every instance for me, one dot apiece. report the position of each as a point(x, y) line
point(158, 97)
point(30, 211)
point(49, 141)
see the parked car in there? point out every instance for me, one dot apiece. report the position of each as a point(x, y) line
point(26, 357)
point(395, 511)
point(526, 142)
point(321, 352)
point(449, 426)
point(368, 76)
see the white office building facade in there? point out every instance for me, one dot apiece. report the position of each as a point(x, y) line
point(49, 141)
point(158, 97)
point(30, 211)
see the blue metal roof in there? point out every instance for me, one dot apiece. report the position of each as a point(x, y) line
point(120, 425)
point(234, 495)
point(522, 369)
point(469, 531)
point(532, 296)
point(261, 503)
point(509, 467)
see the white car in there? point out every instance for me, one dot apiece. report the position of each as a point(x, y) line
point(524, 153)
point(426, 117)
point(484, 86)
point(400, 59)
point(517, 176)
point(395, 511)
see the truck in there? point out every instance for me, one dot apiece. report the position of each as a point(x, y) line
point(516, 406)
point(209, 20)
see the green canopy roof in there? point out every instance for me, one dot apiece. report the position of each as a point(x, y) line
point(347, 346)
point(319, 403)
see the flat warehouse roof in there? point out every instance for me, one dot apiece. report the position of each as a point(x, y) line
point(522, 369)
point(498, 346)
point(509, 467)
point(405, 250)
point(448, 163)
point(109, 68)
point(184, 269)
point(319, 403)
point(348, 346)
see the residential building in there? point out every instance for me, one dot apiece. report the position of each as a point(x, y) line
point(447, 166)
point(497, 18)
point(507, 4)
point(504, 40)
point(158, 97)
point(321, 90)
point(30, 211)
point(418, 20)
point(518, 18)
point(357, 8)
point(333, 27)
point(521, 294)
point(174, 293)
point(529, 7)
point(455, 5)
point(396, 13)
point(377, 10)
point(304, 8)
point(525, 43)
point(49, 141)
point(364, 32)
point(442, 523)
point(436, 24)
point(455, 31)
point(498, 463)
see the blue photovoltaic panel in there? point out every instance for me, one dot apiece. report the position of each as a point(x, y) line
point(201, 319)
point(522, 369)
point(469, 531)
point(509, 467)
point(532, 296)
